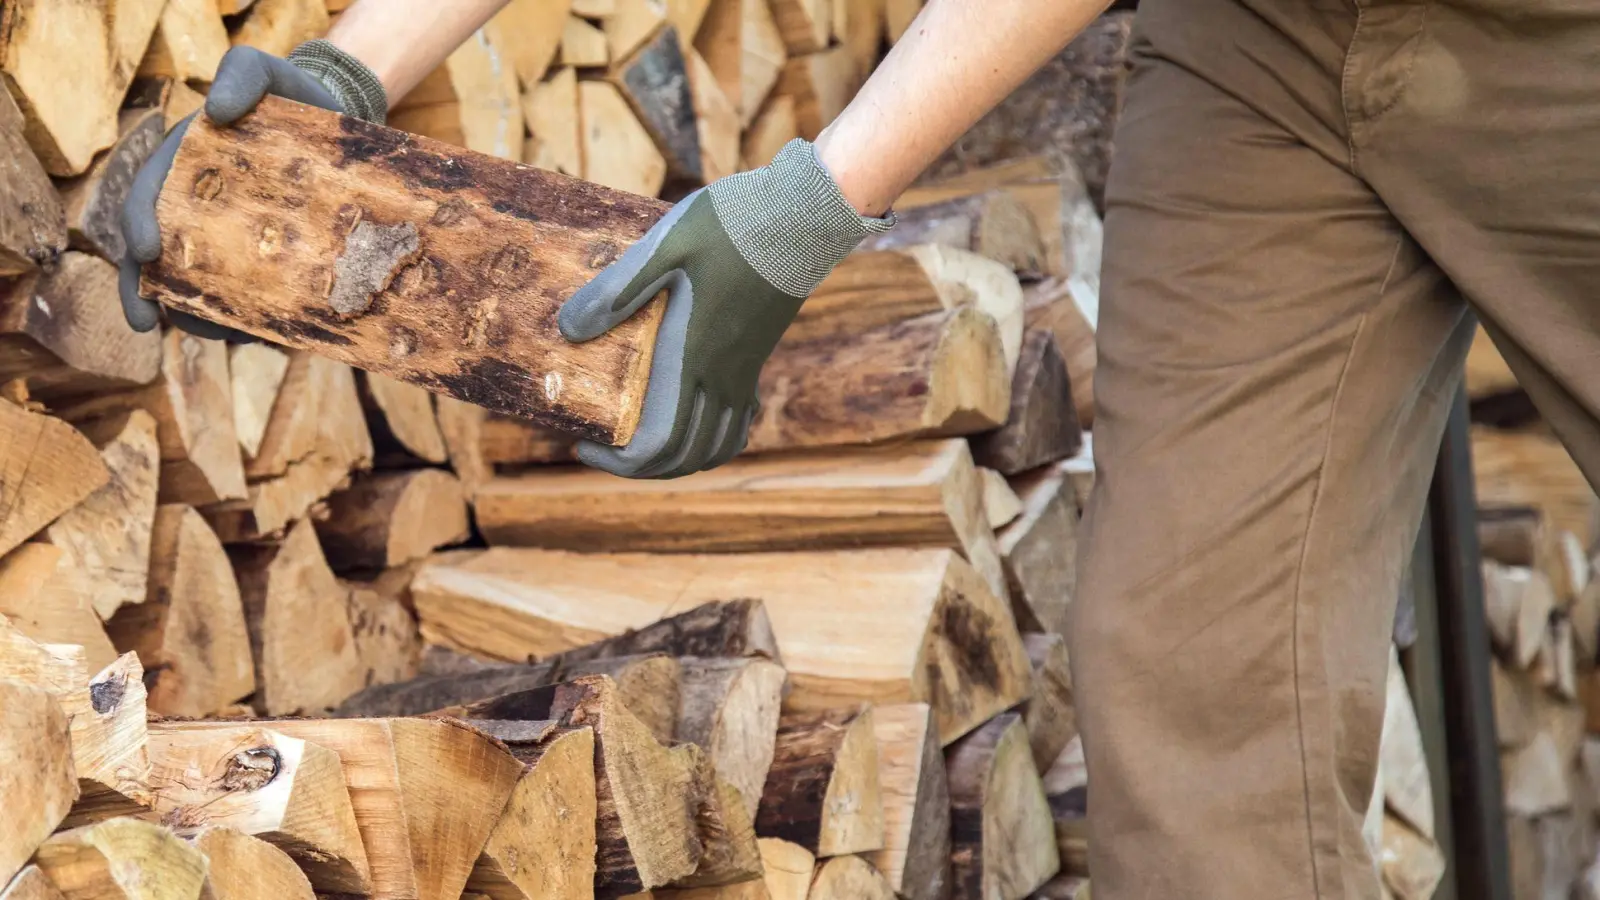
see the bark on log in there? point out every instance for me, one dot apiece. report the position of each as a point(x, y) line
point(33, 227)
point(388, 519)
point(543, 846)
point(241, 867)
point(367, 233)
point(992, 224)
point(93, 201)
point(65, 333)
point(723, 629)
point(822, 791)
point(37, 779)
point(959, 652)
point(655, 81)
point(727, 834)
point(190, 631)
point(1053, 305)
point(122, 859)
point(46, 468)
point(253, 778)
point(1039, 549)
point(1048, 714)
point(730, 708)
point(915, 858)
point(1001, 832)
point(937, 375)
point(1042, 426)
point(52, 603)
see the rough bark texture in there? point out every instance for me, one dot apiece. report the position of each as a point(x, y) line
point(1053, 305)
point(33, 230)
point(822, 791)
point(94, 200)
point(719, 629)
point(1042, 426)
point(1001, 833)
point(655, 81)
point(507, 244)
point(730, 708)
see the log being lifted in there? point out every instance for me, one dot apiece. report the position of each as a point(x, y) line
point(407, 257)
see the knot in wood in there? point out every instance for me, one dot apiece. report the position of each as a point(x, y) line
point(208, 184)
point(251, 769)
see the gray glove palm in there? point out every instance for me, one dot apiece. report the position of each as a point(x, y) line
point(737, 259)
point(316, 73)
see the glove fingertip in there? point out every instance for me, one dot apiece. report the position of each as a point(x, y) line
point(142, 314)
point(602, 457)
point(241, 82)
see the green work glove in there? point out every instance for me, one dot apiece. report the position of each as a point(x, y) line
point(316, 72)
point(737, 259)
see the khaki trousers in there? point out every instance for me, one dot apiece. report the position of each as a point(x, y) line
point(1306, 199)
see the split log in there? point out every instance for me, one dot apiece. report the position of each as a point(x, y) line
point(716, 119)
point(300, 635)
point(1038, 551)
point(37, 779)
point(189, 42)
point(730, 707)
point(106, 537)
point(991, 224)
point(654, 78)
point(887, 287)
point(686, 16)
point(1412, 864)
point(806, 25)
point(1055, 305)
point(46, 468)
point(550, 107)
point(260, 781)
point(937, 375)
point(278, 26)
point(58, 668)
point(426, 794)
point(110, 742)
point(94, 200)
point(181, 101)
point(1064, 887)
point(529, 32)
point(849, 878)
point(618, 153)
point(822, 791)
point(822, 85)
point(543, 845)
point(1518, 603)
point(1070, 809)
point(241, 867)
point(476, 101)
point(1042, 426)
point(1515, 700)
point(65, 333)
point(52, 603)
point(932, 631)
point(192, 403)
point(30, 884)
point(744, 49)
point(583, 44)
point(388, 519)
point(594, 9)
point(462, 426)
point(387, 642)
point(918, 494)
point(730, 855)
point(1531, 469)
point(190, 631)
point(773, 127)
point(788, 868)
point(647, 685)
point(1535, 778)
point(503, 440)
point(122, 858)
point(716, 630)
point(630, 23)
point(33, 227)
point(647, 795)
point(311, 391)
point(257, 371)
point(915, 858)
point(404, 426)
point(410, 225)
point(1049, 715)
point(1001, 831)
point(1001, 505)
point(1511, 535)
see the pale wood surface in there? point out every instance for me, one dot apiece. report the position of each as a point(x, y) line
point(618, 152)
point(401, 417)
point(530, 32)
point(730, 708)
point(993, 224)
point(37, 778)
point(189, 42)
point(241, 867)
point(51, 602)
point(122, 858)
point(550, 108)
point(543, 846)
point(278, 26)
point(789, 867)
point(388, 519)
point(1002, 834)
point(1049, 714)
point(849, 878)
point(1039, 551)
point(915, 858)
point(46, 468)
point(109, 742)
point(822, 791)
point(1042, 426)
point(31, 884)
point(257, 371)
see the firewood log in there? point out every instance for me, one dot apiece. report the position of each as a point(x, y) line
point(647, 685)
point(51, 602)
point(543, 845)
point(715, 630)
point(716, 119)
point(404, 425)
point(1038, 551)
point(822, 791)
point(1070, 809)
point(529, 32)
point(190, 631)
point(64, 332)
point(991, 224)
point(744, 49)
point(1049, 715)
point(1412, 864)
point(1042, 425)
point(730, 708)
point(806, 25)
point(1064, 887)
point(618, 153)
point(1001, 831)
point(93, 201)
point(631, 23)
point(388, 519)
point(647, 795)
point(730, 855)
point(550, 108)
point(1518, 603)
point(122, 858)
point(241, 867)
point(37, 779)
point(426, 795)
point(773, 127)
point(387, 641)
point(937, 634)
point(1535, 778)
point(849, 878)
point(462, 426)
point(915, 858)
point(253, 778)
point(300, 635)
point(858, 24)
point(654, 79)
point(1001, 505)
point(1053, 305)
point(502, 338)
point(822, 85)
point(1511, 535)
point(257, 372)
point(873, 289)
point(476, 103)
point(583, 44)
point(189, 42)
point(192, 403)
point(1515, 702)
point(46, 467)
point(33, 228)
point(106, 537)
point(821, 501)
point(1530, 469)
point(937, 375)
point(58, 668)
point(278, 26)
point(31, 884)
point(110, 742)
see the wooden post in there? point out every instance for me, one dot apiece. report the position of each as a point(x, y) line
point(392, 222)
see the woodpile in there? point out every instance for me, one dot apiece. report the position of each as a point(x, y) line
point(336, 614)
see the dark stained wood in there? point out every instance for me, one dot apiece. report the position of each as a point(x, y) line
point(94, 199)
point(655, 82)
point(822, 791)
point(33, 231)
point(720, 629)
point(1042, 426)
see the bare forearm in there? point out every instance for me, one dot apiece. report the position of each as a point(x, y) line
point(958, 60)
point(403, 40)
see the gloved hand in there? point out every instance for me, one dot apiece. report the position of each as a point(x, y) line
point(316, 72)
point(737, 258)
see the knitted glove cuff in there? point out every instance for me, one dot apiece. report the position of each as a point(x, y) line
point(790, 221)
point(355, 86)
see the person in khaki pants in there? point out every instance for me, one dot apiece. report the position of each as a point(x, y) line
point(1308, 201)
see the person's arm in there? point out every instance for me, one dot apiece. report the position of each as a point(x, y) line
point(401, 41)
point(956, 62)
